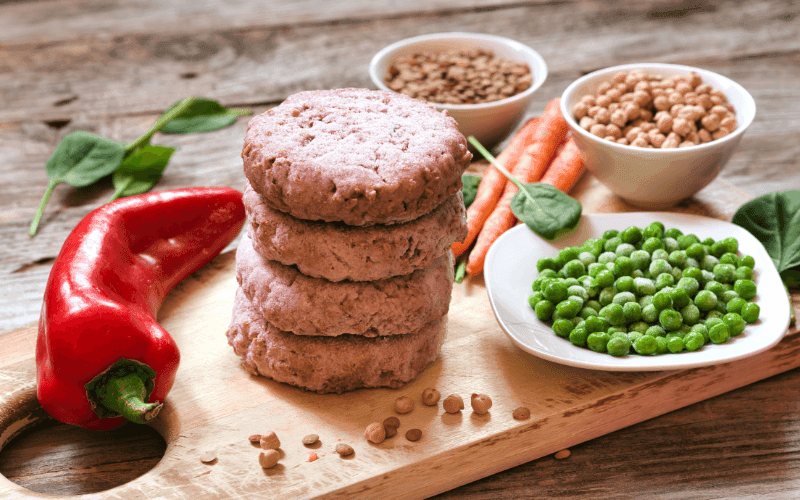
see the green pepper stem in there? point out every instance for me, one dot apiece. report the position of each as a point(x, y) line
point(159, 124)
point(125, 396)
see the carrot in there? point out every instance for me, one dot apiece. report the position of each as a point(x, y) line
point(549, 134)
point(493, 183)
point(565, 169)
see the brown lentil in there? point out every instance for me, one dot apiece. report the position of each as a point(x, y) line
point(390, 431)
point(344, 449)
point(255, 438)
point(521, 413)
point(310, 439)
point(458, 77)
point(392, 422)
point(208, 457)
point(562, 454)
point(414, 434)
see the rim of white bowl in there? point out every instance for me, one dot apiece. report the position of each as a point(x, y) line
point(538, 69)
point(740, 127)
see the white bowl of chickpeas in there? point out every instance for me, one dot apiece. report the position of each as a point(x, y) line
point(656, 134)
point(485, 82)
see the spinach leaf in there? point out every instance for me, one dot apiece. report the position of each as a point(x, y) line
point(140, 171)
point(203, 115)
point(469, 188)
point(81, 159)
point(545, 209)
point(774, 219)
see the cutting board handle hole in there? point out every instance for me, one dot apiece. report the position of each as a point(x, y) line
point(54, 448)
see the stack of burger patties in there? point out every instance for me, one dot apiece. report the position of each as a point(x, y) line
point(345, 273)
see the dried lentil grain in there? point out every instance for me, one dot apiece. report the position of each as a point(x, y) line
point(344, 450)
point(414, 434)
point(521, 413)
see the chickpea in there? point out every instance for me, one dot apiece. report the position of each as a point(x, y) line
point(619, 118)
point(598, 129)
point(681, 126)
point(613, 131)
point(664, 123)
point(375, 433)
point(661, 103)
point(728, 124)
point(270, 441)
point(580, 110)
point(453, 403)
point(633, 133)
point(480, 403)
point(641, 141)
point(622, 141)
point(268, 458)
point(704, 135)
point(586, 123)
point(710, 122)
point(604, 87)
point(430, 396)
point(603, 116)
point(719, 134)
point(403, 404)
point(603, 101)
point(672, 141)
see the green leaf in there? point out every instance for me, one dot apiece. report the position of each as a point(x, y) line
point(546, 209)
point(461, 271)
point(469, 188)
point(81, 159)
point(203, 115)
point(774, 219)
point(140, 171)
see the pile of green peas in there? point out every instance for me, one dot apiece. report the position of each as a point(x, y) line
point(650, 291)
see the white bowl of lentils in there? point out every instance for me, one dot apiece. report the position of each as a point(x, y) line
point(656, 134)
point(484, 82)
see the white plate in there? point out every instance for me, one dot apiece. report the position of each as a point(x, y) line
point(510, 269)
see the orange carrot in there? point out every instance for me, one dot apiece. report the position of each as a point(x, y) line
point(550, 132)
point(493, 183)
point(565, 169)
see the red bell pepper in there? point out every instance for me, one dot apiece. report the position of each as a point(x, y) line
point(101, 356)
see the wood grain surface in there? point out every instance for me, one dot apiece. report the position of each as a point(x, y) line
point(112, 67)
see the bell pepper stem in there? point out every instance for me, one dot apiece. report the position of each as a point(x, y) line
point(122, 390)
point(125, 396)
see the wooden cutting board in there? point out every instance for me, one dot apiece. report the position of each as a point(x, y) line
point(215, 404)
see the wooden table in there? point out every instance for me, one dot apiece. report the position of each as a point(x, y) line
point(111, 68)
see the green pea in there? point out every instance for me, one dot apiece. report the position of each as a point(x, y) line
point(708, 242)
point(677, 258)
point(587, 312)
point(745, 288)
point(618, 346)
point(715, 287)
point(623, 266)
point(534, 298)
point(568, 308)
point(579, 291)
point(724, 272)
point(661, 347)
point(695, 273)
point(653, 230)
point(578, 336)
point(641, 259)
point(565, 255)
point(631, 235)
point(623, 297)
point(687, 240)
point(546, 263)
point(750, 312)
point(631, 312)
point(655, 331)
point(586, 258)
point(577, 299)
point(673, 232)
point(747, 261)
point(670, 319)
point(659, 253)
point(708, 263)
point(574, 269)
point(689, 284)
point(729, 258)
point(690, 314)
point(649, 313)
point(563, 327)
point(735, 305)
point(606, 257)
point(634, 336)
point(675, 344)
point(659, 266)
point(614, 314)
point(696, 251)
point(684, 329)
point(662, 300)
point(593, 304)
point(707, 276)
point(690, 262)
point(544, 310)
point(670, 244)
point(596, 324)
point(702, 330)
point(610, 233)
point(651, 244)
point(664, 280)
point(729, 295)
point(693, 341)
point(607, 295)
point(719, 333)
point(625, 250)
point(611, 244)
point(735, 323)
point(555, 291)
point(680, 298)
point(548, 273)
point(598, 341)
point(645, 300)
point(625, 284)
point(637, 326)
point(705, 300)
point(593, 245)
point(743, 273)
point(604, 278)
point(714, 314)
point(645, 345)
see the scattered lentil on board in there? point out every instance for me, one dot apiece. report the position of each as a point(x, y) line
point(458, 77)
point(208, 457)
point(414, 434)
point(562, 454)
point(521, 413)
point(255, 438)
point(310, 439)
point(344, 450)
point(392, 422)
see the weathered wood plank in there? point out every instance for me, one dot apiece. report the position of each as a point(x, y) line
point(131, 74)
